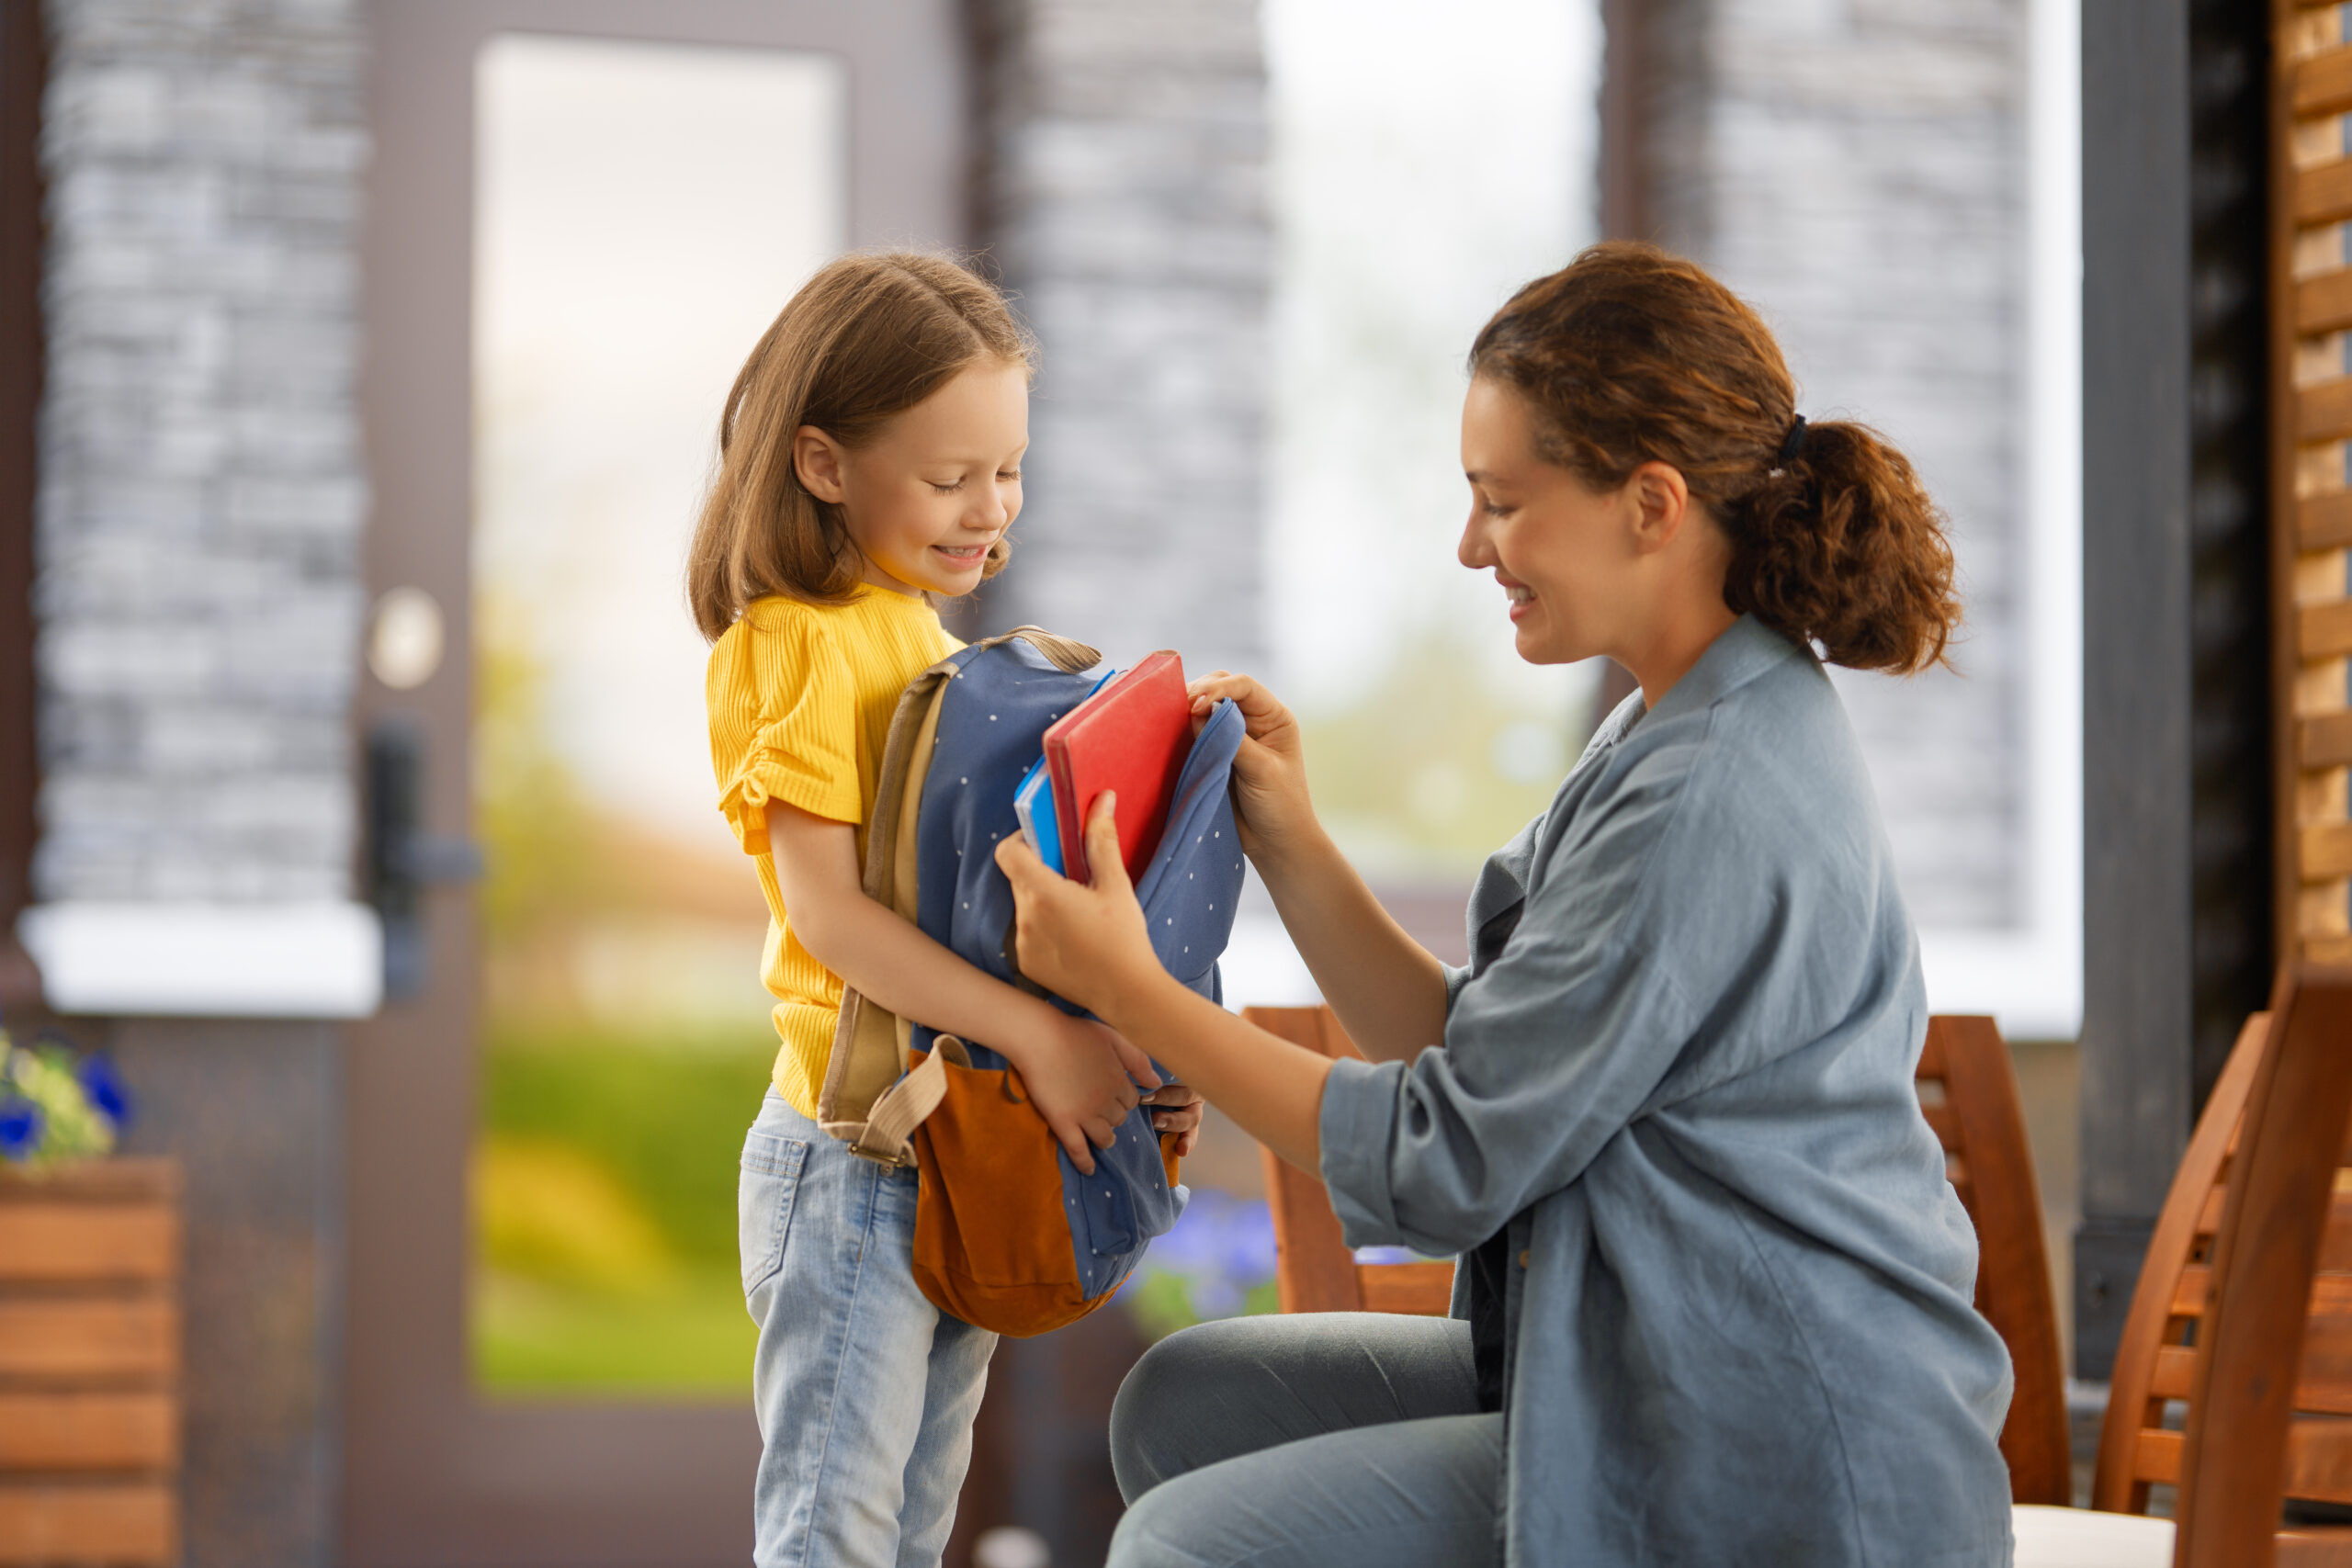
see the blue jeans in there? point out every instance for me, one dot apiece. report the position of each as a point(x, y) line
point(865, 1391)
point(1323, 1440)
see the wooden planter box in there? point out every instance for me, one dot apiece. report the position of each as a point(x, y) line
point(90, 1365)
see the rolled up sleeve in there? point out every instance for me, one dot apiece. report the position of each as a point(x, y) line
point(783, 726)
point(1550, 1050)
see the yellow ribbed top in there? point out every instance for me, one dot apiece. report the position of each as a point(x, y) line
point(800, 698)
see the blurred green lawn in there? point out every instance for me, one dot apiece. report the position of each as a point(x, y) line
point(604, 1209)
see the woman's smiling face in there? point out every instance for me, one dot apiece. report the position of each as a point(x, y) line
point(1566, 554)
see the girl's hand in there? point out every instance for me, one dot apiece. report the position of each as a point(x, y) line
point(1085, 943)
point(1270, 800)
point(1180, 1115)
point(1078, 1077)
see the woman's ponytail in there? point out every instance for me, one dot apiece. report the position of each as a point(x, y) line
point(1630, 356)
point(1842, 546)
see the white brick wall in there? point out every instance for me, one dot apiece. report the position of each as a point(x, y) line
point(202, 493)
point(1125, 204)
point(1857, 168)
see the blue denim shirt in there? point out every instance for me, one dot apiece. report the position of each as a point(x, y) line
point(1678, 1072)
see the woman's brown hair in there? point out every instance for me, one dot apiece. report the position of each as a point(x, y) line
point(867, 338)
point(1629, 356)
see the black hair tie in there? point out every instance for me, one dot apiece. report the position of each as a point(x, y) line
point(1791, 444)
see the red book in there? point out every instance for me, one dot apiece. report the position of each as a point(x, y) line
point(1131, 738)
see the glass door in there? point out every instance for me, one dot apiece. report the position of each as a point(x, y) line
point(640, 210)
point(581, 214)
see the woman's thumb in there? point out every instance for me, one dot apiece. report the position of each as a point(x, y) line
point(1103, 857)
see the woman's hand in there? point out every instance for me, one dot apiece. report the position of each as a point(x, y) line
point(1270, 800)
point(1085, 943)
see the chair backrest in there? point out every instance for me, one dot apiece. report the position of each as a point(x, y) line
point(1968, 1090)
point(1314, 1269)
point(2271, 1384)
point(2155, 1358)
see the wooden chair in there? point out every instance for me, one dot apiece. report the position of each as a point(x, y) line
point(2272, 1385)
point(2155, 1358)
point(1314, 1269)
point(1968, 1091)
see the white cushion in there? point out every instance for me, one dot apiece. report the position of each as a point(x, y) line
point(2077, 1537)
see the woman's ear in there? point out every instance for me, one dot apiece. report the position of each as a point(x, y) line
point(817, 461)
point(1661, 503)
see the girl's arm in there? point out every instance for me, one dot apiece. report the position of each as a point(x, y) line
point(1388, 990)
point(1081, 1075)
point(1089, 943)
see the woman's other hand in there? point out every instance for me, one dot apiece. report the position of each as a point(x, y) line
point(1179, 1113)
point(1085, 943)
point(1270, 800)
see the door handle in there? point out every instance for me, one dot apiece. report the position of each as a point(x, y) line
point(403, 859)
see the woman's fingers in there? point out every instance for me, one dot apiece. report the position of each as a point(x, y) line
point(1106, 867)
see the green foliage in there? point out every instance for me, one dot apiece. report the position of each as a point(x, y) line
point(49, 1107)
point(605, 1214)
point(666, 1123)
point(691, 1339)
point(536, 829)
point(1433, 769)
point(1161, 1302)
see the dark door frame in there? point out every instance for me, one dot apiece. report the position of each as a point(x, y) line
point(435, 1474)
point(23, 75)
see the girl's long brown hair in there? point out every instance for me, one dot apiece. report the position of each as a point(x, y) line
point(1631, 355)
point(868, 337)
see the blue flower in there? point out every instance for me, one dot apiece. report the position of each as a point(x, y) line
point(20, 1129)
point(105, 1087)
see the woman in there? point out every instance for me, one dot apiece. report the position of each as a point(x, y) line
point(1713, 1304)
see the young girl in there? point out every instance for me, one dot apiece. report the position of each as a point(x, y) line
point(869, 457)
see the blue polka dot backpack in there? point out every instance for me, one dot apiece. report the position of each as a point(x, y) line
point(1009, 1236)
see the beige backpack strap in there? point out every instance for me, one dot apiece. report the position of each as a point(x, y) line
point(869, 1099)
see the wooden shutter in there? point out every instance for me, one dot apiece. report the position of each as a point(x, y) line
point(2311, 453)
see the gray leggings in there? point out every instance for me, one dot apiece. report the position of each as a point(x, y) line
point(1349, 1439)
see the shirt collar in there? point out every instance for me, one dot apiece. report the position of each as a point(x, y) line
point(1746, 648)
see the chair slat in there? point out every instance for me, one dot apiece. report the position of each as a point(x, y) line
point(2175, 1365)
point(1945, 1120)
point(2157, 1455)
point(2192, 1289)
point(2319, 1459)
point(1425, 1290)
point(2309, 1548)
point(2335, 1242)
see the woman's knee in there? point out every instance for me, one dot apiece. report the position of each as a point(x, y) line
point(1159, 1421)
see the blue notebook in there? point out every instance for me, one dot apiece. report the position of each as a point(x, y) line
point(1033, 802)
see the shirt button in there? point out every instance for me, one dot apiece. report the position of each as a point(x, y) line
point(1522, 1256)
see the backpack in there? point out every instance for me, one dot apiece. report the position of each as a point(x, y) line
point(1009, 1236)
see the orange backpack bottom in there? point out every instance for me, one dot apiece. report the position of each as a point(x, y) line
point(992, 1245)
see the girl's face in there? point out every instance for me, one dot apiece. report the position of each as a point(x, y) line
point(924, 500)
point(1583, 569)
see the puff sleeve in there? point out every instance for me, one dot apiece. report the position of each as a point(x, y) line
point(784, 723)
